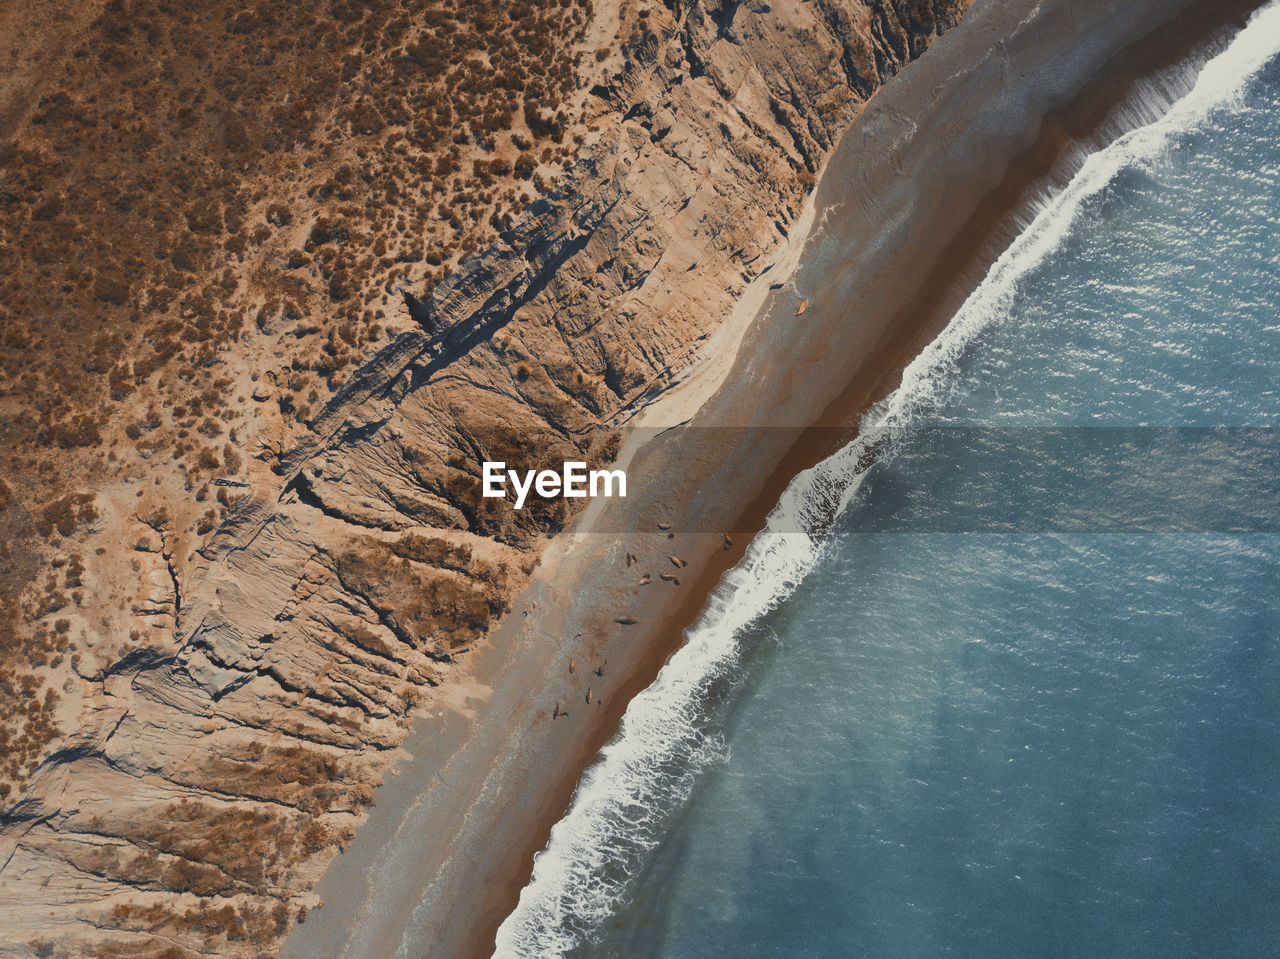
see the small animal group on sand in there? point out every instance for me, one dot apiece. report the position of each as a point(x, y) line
point(557, 711)
point(628, 620)
point(676, 561)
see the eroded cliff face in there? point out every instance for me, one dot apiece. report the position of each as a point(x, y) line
point(214, 774)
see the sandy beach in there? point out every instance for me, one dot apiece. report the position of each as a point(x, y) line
point(916, 201)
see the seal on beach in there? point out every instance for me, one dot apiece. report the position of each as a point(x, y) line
point(668, 578)
point(728, 540)
point(646, 579)
point(588, 695)
point(677, 562)
point(571, 667)
point(664, 526)
point(626, 620)
point(555, 713)
point(804, 305)
point(600, 669)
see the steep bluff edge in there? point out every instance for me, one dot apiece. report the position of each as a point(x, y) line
point(211, 781)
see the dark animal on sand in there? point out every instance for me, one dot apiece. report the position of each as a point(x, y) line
point(646, 579)
point(588, 695)
point(664, 526)
point(626, 620)
point(668, 578)
point(600, 669)
point(677, 562)
point(728, 540)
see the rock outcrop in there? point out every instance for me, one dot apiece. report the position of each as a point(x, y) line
point(212, 778)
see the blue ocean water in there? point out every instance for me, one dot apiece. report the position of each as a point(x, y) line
point(1021, 697)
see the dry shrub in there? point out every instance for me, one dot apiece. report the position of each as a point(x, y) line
point(65, 513)
point(437, 609)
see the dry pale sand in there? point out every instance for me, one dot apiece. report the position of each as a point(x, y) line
point(915, 201)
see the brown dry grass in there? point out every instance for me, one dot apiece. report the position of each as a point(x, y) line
point(215, 852)
point(432, 594)
point(187, 186)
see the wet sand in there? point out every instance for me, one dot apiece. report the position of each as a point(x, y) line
point(913, 206)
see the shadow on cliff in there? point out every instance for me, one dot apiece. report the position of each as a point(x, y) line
point(496, 312)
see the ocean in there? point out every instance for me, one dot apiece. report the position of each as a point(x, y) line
point(1014, 689)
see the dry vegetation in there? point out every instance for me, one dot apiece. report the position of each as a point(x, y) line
point(187, 849)
point(433, 595)
point(207, 214)
point(201, 197)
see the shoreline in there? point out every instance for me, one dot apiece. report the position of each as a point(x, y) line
point(495, 784)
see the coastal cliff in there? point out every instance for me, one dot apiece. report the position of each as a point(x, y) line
point(211, 772)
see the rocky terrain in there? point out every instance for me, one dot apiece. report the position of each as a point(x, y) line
point(253, 564)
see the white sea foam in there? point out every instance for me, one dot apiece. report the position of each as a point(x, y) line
point(651, 765)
